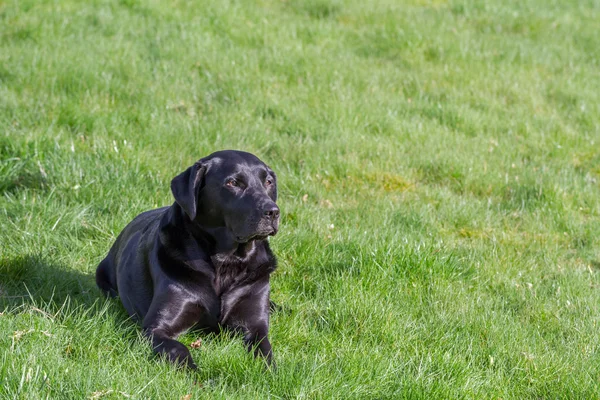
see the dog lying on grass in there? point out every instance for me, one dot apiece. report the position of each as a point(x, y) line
point(203, 262)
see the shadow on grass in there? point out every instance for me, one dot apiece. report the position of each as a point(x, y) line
point(32, 280)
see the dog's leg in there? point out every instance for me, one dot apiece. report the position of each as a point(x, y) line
point(168, 316)
point(249, 314)
point(256, 338)
point(171, 349)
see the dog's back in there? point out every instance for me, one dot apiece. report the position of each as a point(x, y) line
point(131, 238)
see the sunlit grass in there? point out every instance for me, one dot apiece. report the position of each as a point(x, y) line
point(439, 180)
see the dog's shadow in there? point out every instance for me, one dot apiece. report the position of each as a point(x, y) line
point(35, 281)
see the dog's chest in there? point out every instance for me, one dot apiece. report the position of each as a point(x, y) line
point(227, 276)
point(232, 271)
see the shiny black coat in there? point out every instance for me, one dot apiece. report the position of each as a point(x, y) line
point(203, 262)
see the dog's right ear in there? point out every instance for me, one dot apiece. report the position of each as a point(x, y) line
point(185, 187)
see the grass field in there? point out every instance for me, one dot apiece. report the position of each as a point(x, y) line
point(439, 172)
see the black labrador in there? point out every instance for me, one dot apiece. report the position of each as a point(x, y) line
point(203, 262)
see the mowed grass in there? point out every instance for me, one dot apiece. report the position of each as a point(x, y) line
point(439, 178)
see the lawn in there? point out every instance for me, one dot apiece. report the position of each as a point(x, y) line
point(439, 180)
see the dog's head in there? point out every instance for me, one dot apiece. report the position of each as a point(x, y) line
point(230, 189)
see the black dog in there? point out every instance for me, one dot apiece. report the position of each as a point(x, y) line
point(203, 262)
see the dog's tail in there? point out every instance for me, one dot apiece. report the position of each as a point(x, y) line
point(103, 274)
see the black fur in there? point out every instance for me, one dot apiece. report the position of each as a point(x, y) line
point(203, 262)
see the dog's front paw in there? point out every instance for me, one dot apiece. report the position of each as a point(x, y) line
point(179, 355)
point(174, 351)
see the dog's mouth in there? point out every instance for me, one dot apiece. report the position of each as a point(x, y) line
point(257, 236)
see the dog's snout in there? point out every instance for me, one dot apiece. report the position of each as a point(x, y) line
point(271, 211)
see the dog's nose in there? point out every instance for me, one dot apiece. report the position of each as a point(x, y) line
point(272, 212)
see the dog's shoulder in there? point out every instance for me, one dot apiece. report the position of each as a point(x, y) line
point(144, 221)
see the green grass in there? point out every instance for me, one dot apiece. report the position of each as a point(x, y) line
point(439, 171)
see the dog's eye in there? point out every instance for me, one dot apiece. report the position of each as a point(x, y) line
point(232, 183)
point(269, 182)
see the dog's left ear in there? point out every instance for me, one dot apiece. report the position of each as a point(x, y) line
point(185, 187)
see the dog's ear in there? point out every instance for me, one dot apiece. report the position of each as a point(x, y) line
point(185, 187)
